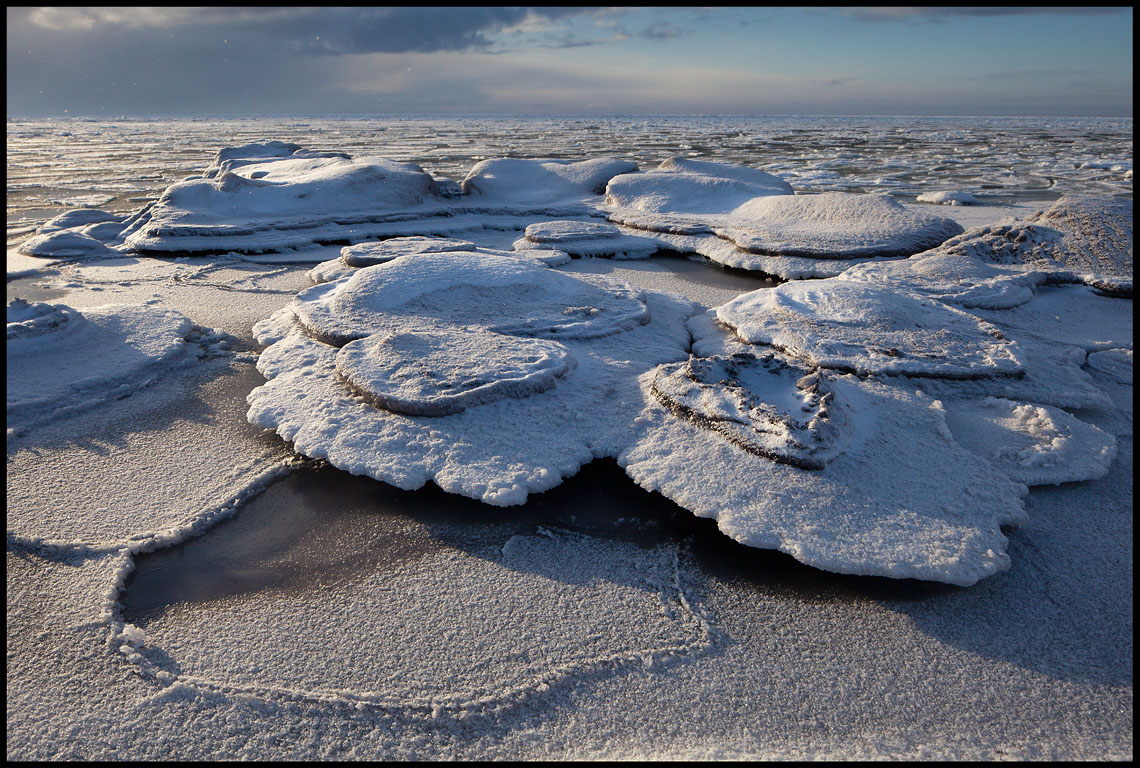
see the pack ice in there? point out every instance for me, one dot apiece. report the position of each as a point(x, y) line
point(886, 419)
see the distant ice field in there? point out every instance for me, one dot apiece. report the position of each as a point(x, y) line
point(55, 165)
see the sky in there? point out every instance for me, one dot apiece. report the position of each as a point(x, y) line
point(558, 60)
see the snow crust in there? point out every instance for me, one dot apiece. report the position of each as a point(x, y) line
point(948, 197)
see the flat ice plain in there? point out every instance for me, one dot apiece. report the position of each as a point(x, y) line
point(597, 455)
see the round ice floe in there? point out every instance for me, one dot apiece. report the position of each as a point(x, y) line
point(78, 218)
point(868, 329)
point(441, 371)
point(1116, 363)
point(1032, 444)
point(953, 277)
point(759, 403)
point(875, 509)
point(367, 254)
point(505, 294)
point(835, 225)
point(27, 320)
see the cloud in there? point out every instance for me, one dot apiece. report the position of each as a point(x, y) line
point(903, 13)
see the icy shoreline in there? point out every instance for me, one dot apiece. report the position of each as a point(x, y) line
point(646, 613)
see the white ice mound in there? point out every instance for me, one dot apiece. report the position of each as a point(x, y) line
point(60, 360)
point(444, 370)
point(835, 225)
point(1032, 444)
point(526, 182)
point(759, 403)
point(281, 203)
point(948, 197)
point(1116, 363)
point(66, 244)
point(370, 253)
point(586, 238)
point(877, 508)
point(229, 158)
point(1077, 239)
point(868, 329)
point(523, 437)
point(681, 194)
point(506, 294)
point(953, 277)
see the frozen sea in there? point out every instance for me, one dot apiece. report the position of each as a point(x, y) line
point(184, 584)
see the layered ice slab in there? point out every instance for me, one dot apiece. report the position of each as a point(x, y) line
point(508, 295)
point(61, 360)
point(868, 329)
point(1077, 239)
point(454, 366)
point(281, 203)
point(586, 238)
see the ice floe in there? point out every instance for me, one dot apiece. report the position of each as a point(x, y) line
point(864, 328)
point(1077, 239)
point(834, 225)
point(948, 197)
point(587, 238)
point(517, 182)
point(464, 360)
point(62, 360)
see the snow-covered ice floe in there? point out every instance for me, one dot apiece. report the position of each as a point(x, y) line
point(61, 360)
point(454, 367)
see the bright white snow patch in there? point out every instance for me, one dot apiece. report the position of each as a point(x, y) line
point(948, 197)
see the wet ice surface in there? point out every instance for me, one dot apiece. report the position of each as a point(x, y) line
point(597, 619)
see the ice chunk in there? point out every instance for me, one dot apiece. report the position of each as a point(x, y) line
point(1116, 363)
point(1032, 444)
point(507, 294)
point(681, 194)
point(1080, 239)
point(869, 329)
point(760, 403)
point(948, 197)
point(368, 254)
point(875, 509)
point(446, 369)
point(953, 277)
point(517, 181)
point(587, 238)
point(77, 219)
point(835, 225)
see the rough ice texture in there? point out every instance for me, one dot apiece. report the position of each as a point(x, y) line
point(863, 328)
point(61, 360)
point(1077, 239)
point(948, 197)
point(435, 372)
point(876, 509)
point(500, 451)
point(1032, 444)
point(66, 244)
point(506, 294)
point(835, 225)
point(370, 253)
point(587, 238)
point(522, 182)
point(760, 403)
point(953, 277)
